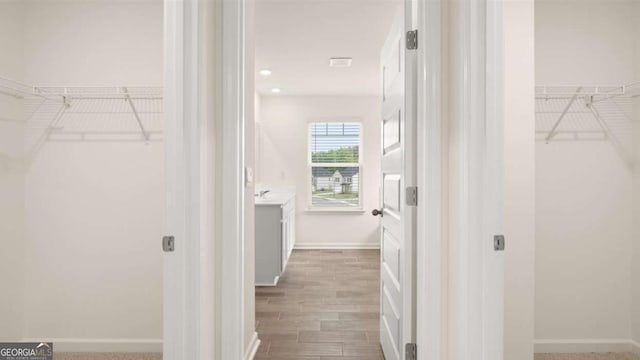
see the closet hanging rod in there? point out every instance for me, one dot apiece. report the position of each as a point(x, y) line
point(18, 93)
point(118, 97)
point(58, 94)
point(109, 93)
point(566, 92)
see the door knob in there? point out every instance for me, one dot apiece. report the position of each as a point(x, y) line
point(377, 212)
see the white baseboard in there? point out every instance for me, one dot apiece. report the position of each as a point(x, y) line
point(252, 349)
point(103, 345)
point(336, 246)
point(561, 346)
point(635, 348)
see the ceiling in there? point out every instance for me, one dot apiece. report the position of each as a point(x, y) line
point(295, 39)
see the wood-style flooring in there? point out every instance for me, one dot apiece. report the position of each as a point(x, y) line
point(156, 356)
point(107, 356)
point(588, 356)
point(326, 307)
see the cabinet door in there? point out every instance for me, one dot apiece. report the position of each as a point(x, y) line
point(285, 240)
point(292, 232)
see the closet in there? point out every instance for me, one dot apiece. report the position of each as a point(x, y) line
point(82, 174)
point(587, 190)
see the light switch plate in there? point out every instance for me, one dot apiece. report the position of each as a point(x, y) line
point(248, 176)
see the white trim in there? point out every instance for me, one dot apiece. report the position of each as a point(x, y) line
point(408, 261)
point(336, 210)
point(102, 345)
point(467, 300)
point(232, 207)
point(335, 246)
point(431, 327)
point(174, 327)
point(561, 346)
point(252, 349)
point(493, 182)
point(188, 278)
point(635, 347)
point(476, 290)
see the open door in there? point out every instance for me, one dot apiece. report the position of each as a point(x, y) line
point(397, 312)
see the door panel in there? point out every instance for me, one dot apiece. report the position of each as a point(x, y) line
point(391, 256)
point(391, 133)
point(396, 290)
point(390, 318)
point(391, 185)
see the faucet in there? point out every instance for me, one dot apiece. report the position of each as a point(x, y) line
point(264, 192)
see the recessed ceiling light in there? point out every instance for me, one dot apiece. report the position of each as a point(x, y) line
point(340, 62)
point(276, 90)
point(265, 72)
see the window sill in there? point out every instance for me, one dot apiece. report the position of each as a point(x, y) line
point(336, 210)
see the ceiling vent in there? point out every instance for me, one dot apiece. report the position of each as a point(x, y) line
point(340, 62)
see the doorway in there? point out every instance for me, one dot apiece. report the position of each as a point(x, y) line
point(228, 134)
point(315, 158)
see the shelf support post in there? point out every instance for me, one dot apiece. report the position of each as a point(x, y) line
point(145, 134)
point(554, 129)
point(614, 140)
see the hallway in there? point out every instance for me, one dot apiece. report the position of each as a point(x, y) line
point(326, 306)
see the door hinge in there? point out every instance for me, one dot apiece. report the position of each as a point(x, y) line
point(498, 242)
point(412, 195)
point(411, 351)
point(168, 244)
point(412, 40)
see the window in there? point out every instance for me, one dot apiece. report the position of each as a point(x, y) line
point(335, 165)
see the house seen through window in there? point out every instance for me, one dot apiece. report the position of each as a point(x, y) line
point(335, 164)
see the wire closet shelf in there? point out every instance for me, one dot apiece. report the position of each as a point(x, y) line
point(588, 113)
point(62, 113)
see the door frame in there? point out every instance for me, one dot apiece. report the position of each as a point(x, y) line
point(232, 317)
point(430, 247)
point(205, 102)
point(476, 187)
point(190, 122)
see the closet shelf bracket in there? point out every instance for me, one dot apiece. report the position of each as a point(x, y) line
point(128, 99)
point(554, 129)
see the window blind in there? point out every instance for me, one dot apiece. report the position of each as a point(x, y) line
point(334, 161)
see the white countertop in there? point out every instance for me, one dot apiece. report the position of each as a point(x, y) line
point(274, 198)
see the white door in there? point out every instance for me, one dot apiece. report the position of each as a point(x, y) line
point(397, 327)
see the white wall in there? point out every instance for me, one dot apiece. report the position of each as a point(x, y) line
point(580, 41)
point(584, 217)
point(95, 211)
point(282, 161)
point(583, 190)
point(519, 157)
point(11, 176)
point(96, 42)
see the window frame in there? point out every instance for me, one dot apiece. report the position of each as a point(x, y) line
point(359, 164)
